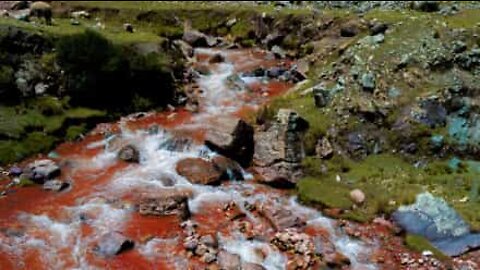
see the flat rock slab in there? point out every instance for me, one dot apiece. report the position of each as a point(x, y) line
point(433, 219)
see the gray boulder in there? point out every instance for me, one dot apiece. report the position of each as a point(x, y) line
point(433, 219)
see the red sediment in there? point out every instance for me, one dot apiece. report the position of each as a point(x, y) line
point(76, 159)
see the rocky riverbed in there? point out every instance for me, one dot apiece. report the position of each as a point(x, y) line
point(285, 135)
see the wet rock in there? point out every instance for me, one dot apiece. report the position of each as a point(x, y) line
point(368, 81)
point(195, 38)
point(378, 28)
point(40, 171)
point(129, 153)
point(324, 149)
point(166, 203)
point(216, 58)
point(55, 185)
point(252, 266)
point(433, 219)
point(230, 169)
point(113, 243)
point(228, 261)
point(426, 6)
point(280, 218)
point(199, 171)
point(233, 139)
point(357, 196)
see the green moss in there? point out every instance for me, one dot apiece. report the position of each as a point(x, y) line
point(84, 113)
point(25, 182)
point(74, 132)
point(325, 192)
point(419, 244)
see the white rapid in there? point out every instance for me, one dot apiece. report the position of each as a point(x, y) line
point(63, 238)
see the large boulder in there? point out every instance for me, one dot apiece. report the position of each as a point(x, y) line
point(41, 171)
point(199, 171)
point(232, 138)
point(166, 203)
point(433, 219)
point(279, 150)
point(113, 243)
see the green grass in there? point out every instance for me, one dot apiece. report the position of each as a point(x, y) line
point(36, 125)
point(419, 244)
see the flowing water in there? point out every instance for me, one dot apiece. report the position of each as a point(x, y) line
point(45, 230)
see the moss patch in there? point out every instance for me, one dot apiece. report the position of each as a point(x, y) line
point(419, 244)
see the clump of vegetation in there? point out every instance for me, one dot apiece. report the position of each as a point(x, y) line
point(419, 244)
point(102, 74)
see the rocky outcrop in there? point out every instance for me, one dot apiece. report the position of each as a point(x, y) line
point(279, 150)
point(233, 138)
